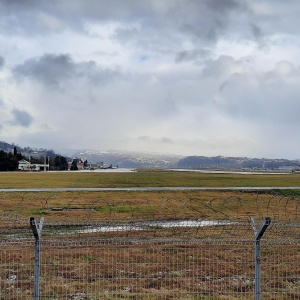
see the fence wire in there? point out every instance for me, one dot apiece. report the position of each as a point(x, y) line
point(147, 269)
point(136, 256)
point(163, 205)
point(16, 253)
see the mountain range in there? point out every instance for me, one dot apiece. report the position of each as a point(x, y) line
point(131, 159)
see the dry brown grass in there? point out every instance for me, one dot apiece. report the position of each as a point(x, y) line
point(207, 263)
point(68, 206)
point(152, 269)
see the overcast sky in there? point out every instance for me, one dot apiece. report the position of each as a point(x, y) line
point(189, 77)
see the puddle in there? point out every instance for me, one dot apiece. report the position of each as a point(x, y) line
point(144, 226)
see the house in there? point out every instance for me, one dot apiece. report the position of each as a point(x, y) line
point(76, 164)
point(25, 165)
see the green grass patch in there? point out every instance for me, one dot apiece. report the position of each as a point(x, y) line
point(288, 193)
point(143, 178)
point(116, 209)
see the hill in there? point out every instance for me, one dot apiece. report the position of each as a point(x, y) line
point(27, 151)
point(135, 159)
point(127, 159)
point(237, 163)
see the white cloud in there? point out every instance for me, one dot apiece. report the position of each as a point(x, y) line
point(185, 77)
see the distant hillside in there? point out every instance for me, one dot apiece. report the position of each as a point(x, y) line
point(6, 147)
point(157, 160)
point(127, 159)
point(131, 159)
point(220, 162)
point(26, 151)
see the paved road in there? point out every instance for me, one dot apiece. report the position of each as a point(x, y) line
point(254, 188)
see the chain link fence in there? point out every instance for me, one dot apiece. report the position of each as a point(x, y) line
point(131, 255)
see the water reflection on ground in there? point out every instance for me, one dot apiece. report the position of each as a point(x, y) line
point(148, 225)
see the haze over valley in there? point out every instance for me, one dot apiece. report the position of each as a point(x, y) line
point(131, 159)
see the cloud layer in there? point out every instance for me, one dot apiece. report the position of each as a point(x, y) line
point(186, 77)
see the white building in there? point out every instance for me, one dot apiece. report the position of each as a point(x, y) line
point(25, 165)
point(288, 168)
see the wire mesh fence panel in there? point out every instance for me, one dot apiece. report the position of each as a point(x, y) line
point(186, 248)
point(281, 262)
point(280, 270)
point(147, 269)
point(160, 262)
point(16, 259)
point(184, 259)
point(16, 270)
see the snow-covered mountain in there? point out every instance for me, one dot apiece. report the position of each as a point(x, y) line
point(128, 159)
point(131, 159)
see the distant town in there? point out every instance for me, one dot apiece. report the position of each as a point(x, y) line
point(74, 165)
point(16, 158)
point(13, 158)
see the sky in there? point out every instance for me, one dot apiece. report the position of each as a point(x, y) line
point(186, 77)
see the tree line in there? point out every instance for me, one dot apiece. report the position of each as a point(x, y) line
point(9, 161)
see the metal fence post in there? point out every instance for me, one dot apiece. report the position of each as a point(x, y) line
point(258, 235)
point(37, 232)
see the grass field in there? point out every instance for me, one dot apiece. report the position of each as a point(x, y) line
point(139, 205)
point(212, 262)
point(143, 178)
point(147, 204)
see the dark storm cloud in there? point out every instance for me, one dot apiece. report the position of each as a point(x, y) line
point(95, 74)
point(18, 3)
point(72, 9)
point(224, 5)
point(205, 20)
point(257, 32)
point(21, 118)
point(14, 7)
point(37, 17)
point(259, 36)
point(192, 55)
point(166, 29)
point(54, 70)
point(215, 19)
point(25, 16)
point(162, 24)
point(1, 61)
point(49, 69)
